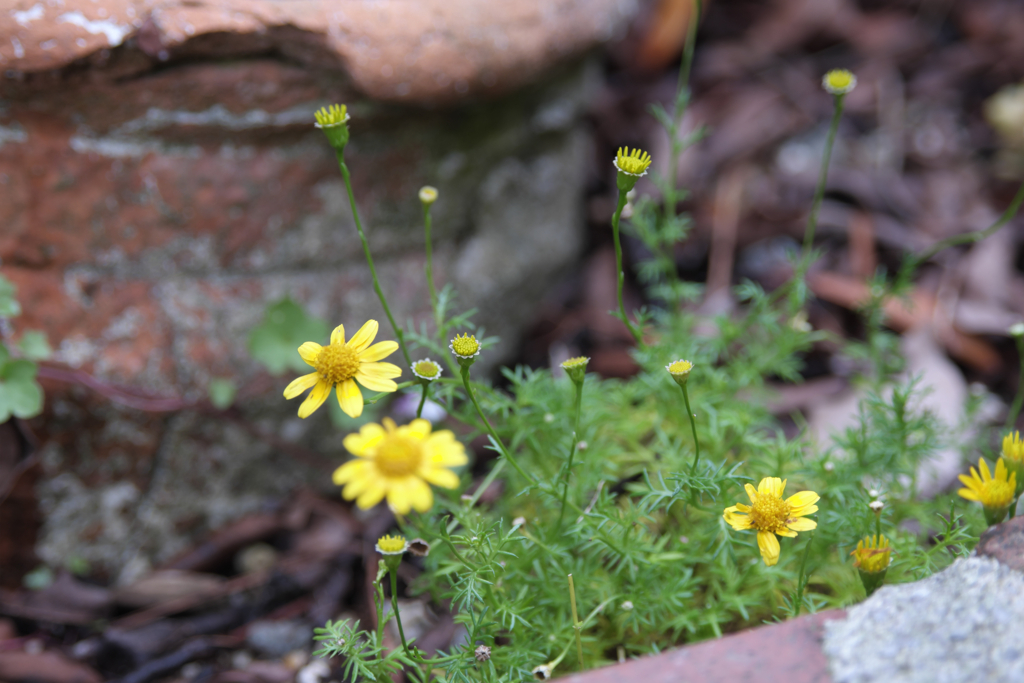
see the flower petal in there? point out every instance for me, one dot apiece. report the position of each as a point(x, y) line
point(986, 475)
point(410, 492)
point(350, 398)
point(361, 443)
point(442, 449)
point(969, 494)
point(735, 519)
point(751, 492)
point(300, 384)
point(766, 487)
point(418, 429)
point(361, 339)
point(743, 508)
point(803, 511)
point(338, 335)
point(375, 383)
point(786, 532)
point(371, 496)
point(309, 352)
point(801, 524)
point(439, 476)
point(378, 351)
point(380, 370)
point(769, 546)
point(350, 471)
point(316, 398)
point(799, 500)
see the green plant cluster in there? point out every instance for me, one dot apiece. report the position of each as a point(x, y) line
point(622, 484)
point(20, 393)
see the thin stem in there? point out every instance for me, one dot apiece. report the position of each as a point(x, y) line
point(679, 108)
point(490, 430)
point(798, 596)
point(423, 399)
point(819, 194)
point(972, 237)
point(576, 622)
point(878, 526)
point(693, 428)
point(572, 451)
point(618, 267)
point(1018, 400)
point(394, 607)
point(429, 267)
point(369, 259)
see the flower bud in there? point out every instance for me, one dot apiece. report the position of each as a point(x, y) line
point(576, 368)
point(333, 121)
point(680, 371)
point(839, 82)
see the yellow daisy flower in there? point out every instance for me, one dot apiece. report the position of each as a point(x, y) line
point(770, 515)
point(342, 364)
point(398, 463)
point(1013, 455)
point(838, 82)
point(873, 554)
point(391, 545)
point(994, 493)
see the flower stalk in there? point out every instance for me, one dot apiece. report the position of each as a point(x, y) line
point(576, 624)
point(575, 368)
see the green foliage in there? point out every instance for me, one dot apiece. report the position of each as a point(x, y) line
point(222, 392)
point(285, 327)
point(20, 394)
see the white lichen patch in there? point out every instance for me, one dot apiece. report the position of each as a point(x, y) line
point(115, 33)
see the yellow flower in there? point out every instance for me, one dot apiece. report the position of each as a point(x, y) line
point(634, 163)
point(1013, 454)
point(397, 463)
point(839, 82)
point(335, 115)
point(426, 369)
point(391, 545)
point(1013, 447)
point(873, 554)
point(343, 364)
point(680, 371)
point(576, 368)
point(465, 346)
point(770, 515)
point(994, 493)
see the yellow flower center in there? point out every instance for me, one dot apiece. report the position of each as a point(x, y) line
point(769, 513)
point(575, 362)
point(398, 456)
point(1013, 447)
point(334, 115)
point(996, 493)
point(427, 369)
point(680, 367)
point(465, 345)
point(839, 81)
point(337, 363)
point(635, 162)
point(391, 544)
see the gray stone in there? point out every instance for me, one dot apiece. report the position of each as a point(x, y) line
point(962, 625)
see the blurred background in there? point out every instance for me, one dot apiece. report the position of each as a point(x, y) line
point(163, 194)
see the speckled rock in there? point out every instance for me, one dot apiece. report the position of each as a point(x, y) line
point(961, 625)
point(426, 51)
point(162, 183)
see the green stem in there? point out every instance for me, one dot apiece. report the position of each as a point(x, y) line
point(618, 267)
point(971, 237)
point(1018, 400)
point(798, 596)
point(429, 267)
point(878, 526)
point(572, 451)
point(394, 606)
point(490, 430)
point(679, 108)
point(423, 399)
point(819, 192)
point(576, 622)
point(693, 428)
point(369, 259)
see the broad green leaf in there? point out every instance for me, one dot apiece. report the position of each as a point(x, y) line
point(21, 397)
point(18, 370)
point(285, 327)
point(34, 346)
